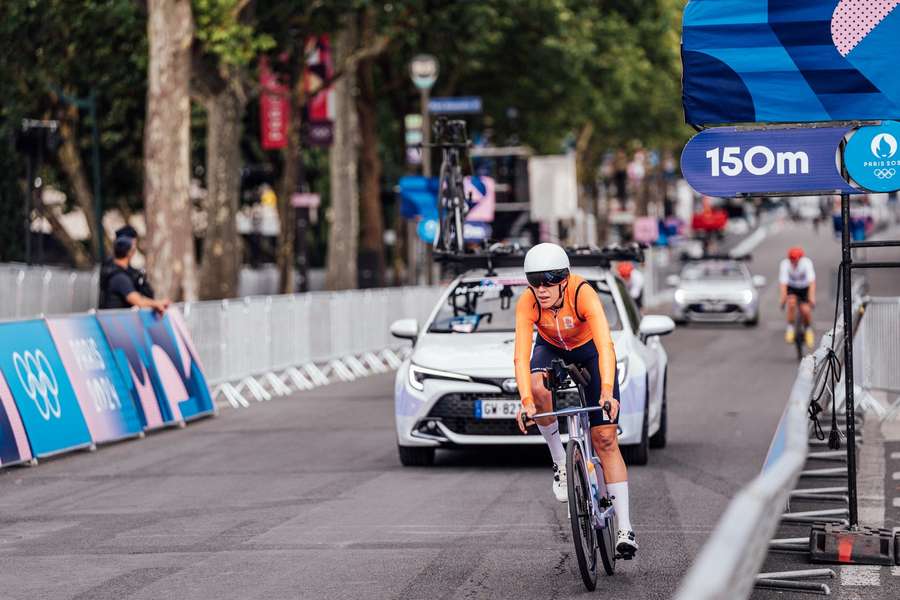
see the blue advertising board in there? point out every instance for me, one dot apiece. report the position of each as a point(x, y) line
point(727, 161)
point(104, 396)
point(871, 157)
point(41, 389)
point(460, 105)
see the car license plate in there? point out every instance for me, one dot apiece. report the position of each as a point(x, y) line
point(713, 306)
point(496, 409)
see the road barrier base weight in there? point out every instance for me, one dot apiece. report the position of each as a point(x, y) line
point(861, 546)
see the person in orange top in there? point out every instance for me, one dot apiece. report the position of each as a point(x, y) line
point(571, 325)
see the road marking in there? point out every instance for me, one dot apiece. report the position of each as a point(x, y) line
point(896, 475)
point(895, 571)
point(896, 502)
point(860, 575)
point(895, 455)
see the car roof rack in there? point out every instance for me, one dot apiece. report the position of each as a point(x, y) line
point(496, 256)
point(685, 257)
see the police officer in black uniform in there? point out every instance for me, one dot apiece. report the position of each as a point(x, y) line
point(121, 285)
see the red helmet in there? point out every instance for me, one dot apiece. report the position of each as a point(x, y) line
point(795, 253)
point(625, 269)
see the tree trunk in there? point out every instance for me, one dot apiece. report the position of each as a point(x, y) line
point(167, 207)
point(344, 226)
point(73, 167)
point(372, 238)
point(222, 248)
point(284, 252)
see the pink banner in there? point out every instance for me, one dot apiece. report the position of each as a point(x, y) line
point(14, 446)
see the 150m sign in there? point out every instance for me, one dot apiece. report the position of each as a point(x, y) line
point(758, 160)
point(728, 161)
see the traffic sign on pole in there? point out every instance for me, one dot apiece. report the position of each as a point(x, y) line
point(455, 106)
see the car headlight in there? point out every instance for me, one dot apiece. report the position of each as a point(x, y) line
point(747, 296)
point(622, 371)
point(680, 296)
point(417, 376)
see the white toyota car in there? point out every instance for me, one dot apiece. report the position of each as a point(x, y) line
point(458, 387)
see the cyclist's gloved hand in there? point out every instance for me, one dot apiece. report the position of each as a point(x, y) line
point(524, 414)
point(613, 404)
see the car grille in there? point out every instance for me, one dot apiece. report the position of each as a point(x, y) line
point(719, 308)
point(457, 413)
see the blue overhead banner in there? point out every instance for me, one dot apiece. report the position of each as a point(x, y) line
point(727, 161)
point(790, 61)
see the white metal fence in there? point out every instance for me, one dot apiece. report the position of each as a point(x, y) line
point(30, 291)
point(265, 345)
point(877, 353)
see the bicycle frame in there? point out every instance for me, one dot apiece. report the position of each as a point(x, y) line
point(580, 431)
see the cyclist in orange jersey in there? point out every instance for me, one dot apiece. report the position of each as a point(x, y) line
point(571, 325)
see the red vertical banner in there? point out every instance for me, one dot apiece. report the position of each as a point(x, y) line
point(274, 108)
point(318, 72)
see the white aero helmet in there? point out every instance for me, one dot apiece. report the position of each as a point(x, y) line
point(546, 257)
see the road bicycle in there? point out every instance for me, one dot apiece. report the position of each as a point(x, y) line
point(591, 512)
point(800, 328)
point(450, 136)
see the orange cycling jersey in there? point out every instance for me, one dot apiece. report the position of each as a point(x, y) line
point(577, 321)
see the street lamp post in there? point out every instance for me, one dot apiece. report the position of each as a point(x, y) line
point(423, 70)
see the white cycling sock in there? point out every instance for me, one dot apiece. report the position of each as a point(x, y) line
point(551, 435)
point(619, 493)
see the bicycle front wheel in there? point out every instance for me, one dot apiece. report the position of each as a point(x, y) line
point(583, 533)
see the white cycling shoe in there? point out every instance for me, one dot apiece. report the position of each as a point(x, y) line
point(625, 544)
point(560, 487)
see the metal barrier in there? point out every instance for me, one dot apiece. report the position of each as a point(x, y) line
point(262, 346)
point(877, 351)
point(727, 567)
point(31, 291)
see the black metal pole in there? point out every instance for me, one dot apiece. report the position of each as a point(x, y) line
point(98, 194)
point(846, 298)
point(29, 198)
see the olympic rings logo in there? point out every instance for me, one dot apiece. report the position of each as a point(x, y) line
point(884, 173)
point(39, 381)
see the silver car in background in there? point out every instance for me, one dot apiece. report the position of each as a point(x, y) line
point(716, 290)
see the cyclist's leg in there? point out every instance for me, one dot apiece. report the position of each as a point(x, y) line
point(790, 313)
point(541, 357)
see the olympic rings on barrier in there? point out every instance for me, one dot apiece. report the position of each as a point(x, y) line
point(884, 173)
point(38, 379)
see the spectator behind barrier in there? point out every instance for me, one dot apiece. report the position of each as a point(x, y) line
point(123, 286)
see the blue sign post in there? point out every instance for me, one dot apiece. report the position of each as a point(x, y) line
point(872, 158)
point(727, 161)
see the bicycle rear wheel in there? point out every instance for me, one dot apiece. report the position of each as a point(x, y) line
point(583, 533)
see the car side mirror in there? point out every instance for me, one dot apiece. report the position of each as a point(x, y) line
point(759, 281)
point(673, 280)
point(653, 325)
point(405, 329)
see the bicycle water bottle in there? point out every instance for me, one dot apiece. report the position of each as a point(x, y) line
point(592, 476)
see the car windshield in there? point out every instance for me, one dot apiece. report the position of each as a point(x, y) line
point(490, 305)
point(712, 270)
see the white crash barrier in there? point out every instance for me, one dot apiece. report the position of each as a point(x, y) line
point(732, 557)
point(260, 347)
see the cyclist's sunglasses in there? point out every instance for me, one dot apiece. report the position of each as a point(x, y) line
point(547, 278)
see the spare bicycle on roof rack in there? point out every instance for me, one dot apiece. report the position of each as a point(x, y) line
point(450, 136)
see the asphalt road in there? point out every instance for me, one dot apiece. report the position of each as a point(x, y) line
point(304, 497)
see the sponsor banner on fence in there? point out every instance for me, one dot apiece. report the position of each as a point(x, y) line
point(13, 440)
point(104, 396)
point(131, 347)
point(727, 161)
point(41, 388)
point(177, 363)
